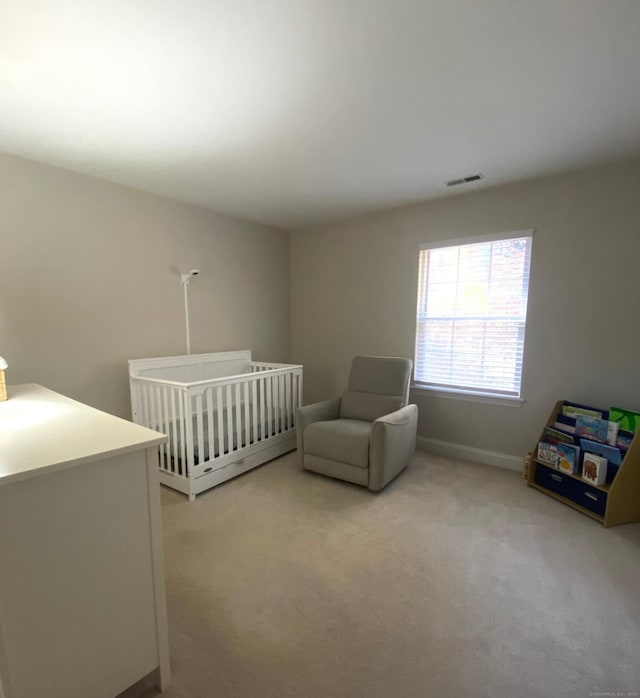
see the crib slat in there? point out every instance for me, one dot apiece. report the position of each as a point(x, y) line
point(162, 399)
point(188, 426)
point(211, 437)
point(147, 408)
point(157, 401)
point(174, 434)
point(275, 382)
point(161, 422)
point(273, 427)
point(246, 413)
point(268, 382)
point(280, 403)
point(229, 418)
point(220, 409)
point(285, 404)
point(263, 411)
point(167, 425)
point(157, 406)
point(142, 407)
point(135, 401)
point(152, 407)
point(199, 429)
point(287, 401)
point(284, 414)
point(254, 411)
point(238, 417)
point(276, 404)
point(182, 462)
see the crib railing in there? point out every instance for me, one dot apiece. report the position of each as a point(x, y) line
point(209, 422)
point(163, 405)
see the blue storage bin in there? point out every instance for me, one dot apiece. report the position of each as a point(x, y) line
point(553, 480)
point(589, 497)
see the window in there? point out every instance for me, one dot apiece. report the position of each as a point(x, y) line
point(471, 316)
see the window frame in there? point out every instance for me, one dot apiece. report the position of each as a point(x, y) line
point(475, 394)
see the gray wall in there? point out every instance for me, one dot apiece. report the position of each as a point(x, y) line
point(89, 277)
point(353, 290)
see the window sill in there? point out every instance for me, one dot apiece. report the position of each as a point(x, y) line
point(469, 396)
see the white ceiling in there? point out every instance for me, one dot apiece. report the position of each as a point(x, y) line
point(296, 112)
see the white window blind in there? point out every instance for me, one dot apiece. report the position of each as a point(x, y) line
point(471, 315)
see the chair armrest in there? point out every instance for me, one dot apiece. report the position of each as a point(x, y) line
point(393, 442)
point(405, 415)
point(317, 412)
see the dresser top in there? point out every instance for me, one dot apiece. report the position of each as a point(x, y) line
point(42, 431)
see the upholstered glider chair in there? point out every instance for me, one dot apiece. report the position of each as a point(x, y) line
point(369, 434)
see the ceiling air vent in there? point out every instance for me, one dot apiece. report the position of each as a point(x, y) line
point(465, 180)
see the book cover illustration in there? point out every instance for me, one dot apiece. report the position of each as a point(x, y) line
point(548, 454)
point(565, 457)
point(611, 453)
point(595, 429)
point(594, 469)
point(568, 458)
point(572, 409)
point(627, 419)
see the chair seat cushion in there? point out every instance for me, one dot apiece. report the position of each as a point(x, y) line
point(344, 440)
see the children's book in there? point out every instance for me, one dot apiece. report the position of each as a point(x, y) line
point(592, 428)
point(560, 456)
point(594, 469)
point(568, 458)
point(627, 419)
point(601, 430)
point(611, 453)
point(624, 439)
point(572, 409)
point(552, 435)
point(548, 454)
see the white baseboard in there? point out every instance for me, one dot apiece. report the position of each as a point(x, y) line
point(477, 455)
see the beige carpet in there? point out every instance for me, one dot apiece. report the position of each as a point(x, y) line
point(456, 580)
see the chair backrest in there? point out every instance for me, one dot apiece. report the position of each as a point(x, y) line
point(377, 386)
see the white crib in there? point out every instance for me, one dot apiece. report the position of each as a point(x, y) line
point(223, 413)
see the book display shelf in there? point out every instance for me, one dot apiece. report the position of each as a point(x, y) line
point(616, 501)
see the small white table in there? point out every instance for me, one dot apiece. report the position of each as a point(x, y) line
point(82, 593)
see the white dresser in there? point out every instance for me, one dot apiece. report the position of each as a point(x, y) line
point(82, 594)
